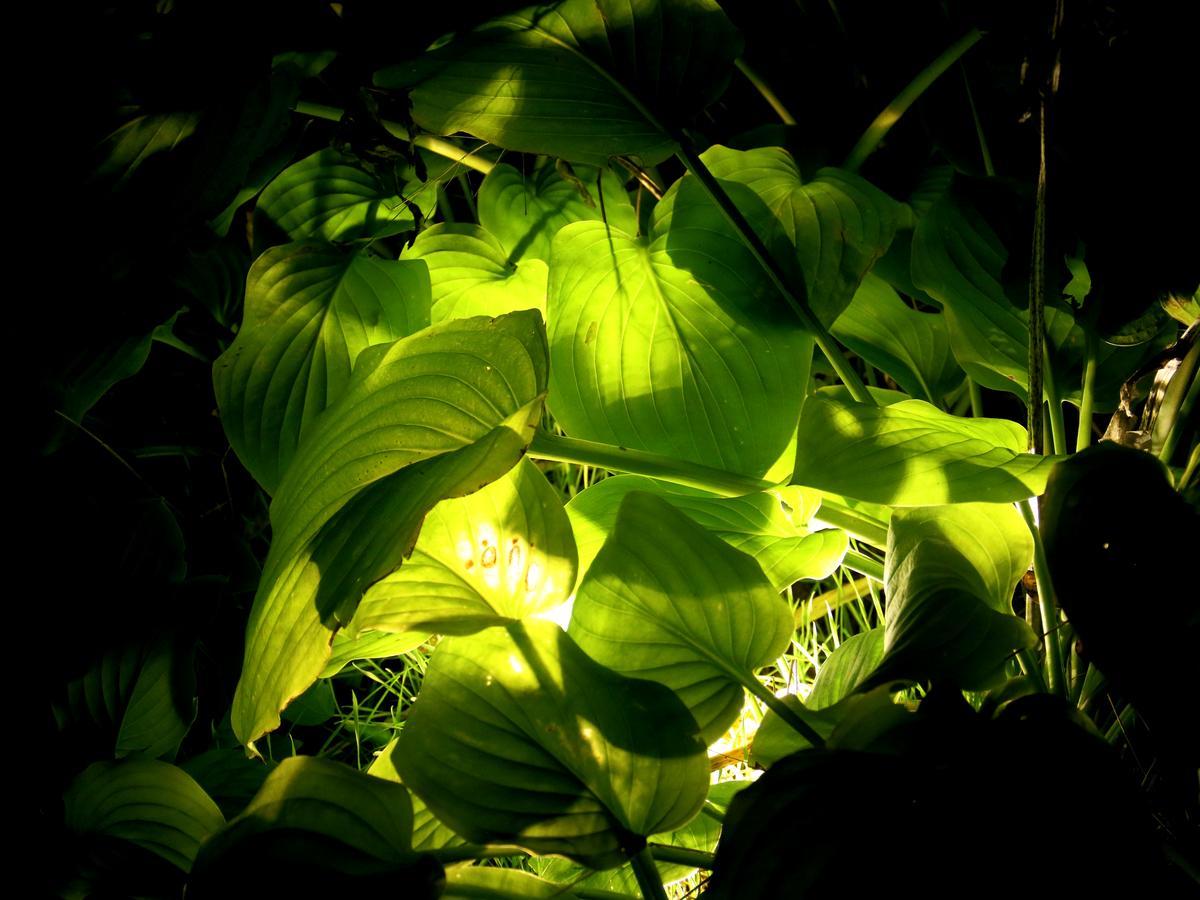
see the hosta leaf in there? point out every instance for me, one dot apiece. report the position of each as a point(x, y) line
point(500, 884)
point(668, 601)
point(776, 738)
point(913, 454)
point(428, 831)
point(438, 414)
point(140, 139)
point(776, 535)
point(684, 363)
point(525, 212)
point(369, 645)
point(229, 776)
point(470, 273)
point(330, 195)
point(913, 347)
point(828, 231)
point(846, 668)
point(575, 79)
point(949, 576)
point(519, 737)
point(504, 553)
point(310, 311)
point(152, 804)
point(316, 824)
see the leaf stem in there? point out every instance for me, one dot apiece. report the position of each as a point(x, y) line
point(856, 524)
point(765, 90)
point(796, 295)
point(863, 565)
point(638, 462)
point(1047, 602)
point(785, 712)
point(683, 856)
point(646, 873)
point(976, 394)
point(1083, 437)
point(878, 129)
point(432, 143)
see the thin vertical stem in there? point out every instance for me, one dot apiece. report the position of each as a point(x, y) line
point(1083, 437)
point(1048, 605)
point(765, 90)
point(646, 873)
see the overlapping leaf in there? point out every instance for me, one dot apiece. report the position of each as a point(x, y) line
point(428, 832)
point(470, 273)
point(668, 601)
point(691, 363)
point(501, 554)
point(310, 311)
point(577, 79)
point(519, 737)
point(152, 804)
point(525, 212)
point(772, 527)
point(913, 454)
point(828, 231)
point(438, 414)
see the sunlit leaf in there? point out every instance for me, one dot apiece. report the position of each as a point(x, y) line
point(310, 311)
point(666, 600)
point(519, 737)
point(438, 414)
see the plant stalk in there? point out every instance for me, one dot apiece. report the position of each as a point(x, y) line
point(785, 712)
point(1047, 604)
point(683, 856)
point(863, 565)
point(856, 524)
point(646, 873)
point(765, 90)
point(878, 129)
point(1083, 437)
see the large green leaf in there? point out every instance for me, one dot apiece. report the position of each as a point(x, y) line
point(911, 346)
point(152, 804)
point(369, 645)
point(429, 833)
point(691, 363)
point(470, 273)
point(828, 231)
point(913, 454)
point(504, 553)
point(770, 526)
point(666, 600)
point(314, 825)
point(310, 311)
point(495, 883)
point(330, 195)
point(950, 573)
point(438, 414)
point(519, 737)
point(525, 212)
point(583, 80)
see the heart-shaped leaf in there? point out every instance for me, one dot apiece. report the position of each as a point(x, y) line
point(310, 311)
point(153, 804)
point(950, 573)
point(913, 454)
point(913, 347)
point(438, 414)
point(666, 600)
point(648, 355)
point(771, 526)
point(470, 273)
point(524, 213)
point(501, 554)
point(583, 80)
point(519, 737)
point(828, 231)
point(316, 824)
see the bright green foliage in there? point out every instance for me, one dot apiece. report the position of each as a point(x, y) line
point(688, 363)
point(913, 347)
point(846, 668)
point(950, 574)
point(439, 414)
point(501, 554)
point(524, 212)
point(669, 601)
point(828, 231)
point(770, 526)
point(310, 311)
point(577, 760)
point(913, 454)
point(152, 804)
point(582, 80)
point(330, 195)
point(369, 645)
point(470, 273)
point(428, 832)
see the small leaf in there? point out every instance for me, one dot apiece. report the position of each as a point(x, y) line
point(519, 737)
point(470, 273)
point(913, 454)
point(500, 884)
point(310, 311)
point(369, 645)
point(758, 524)
point(499, 555)
point(846, 668)
point(438, 414)
point(668, 601)
point(152, 804)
